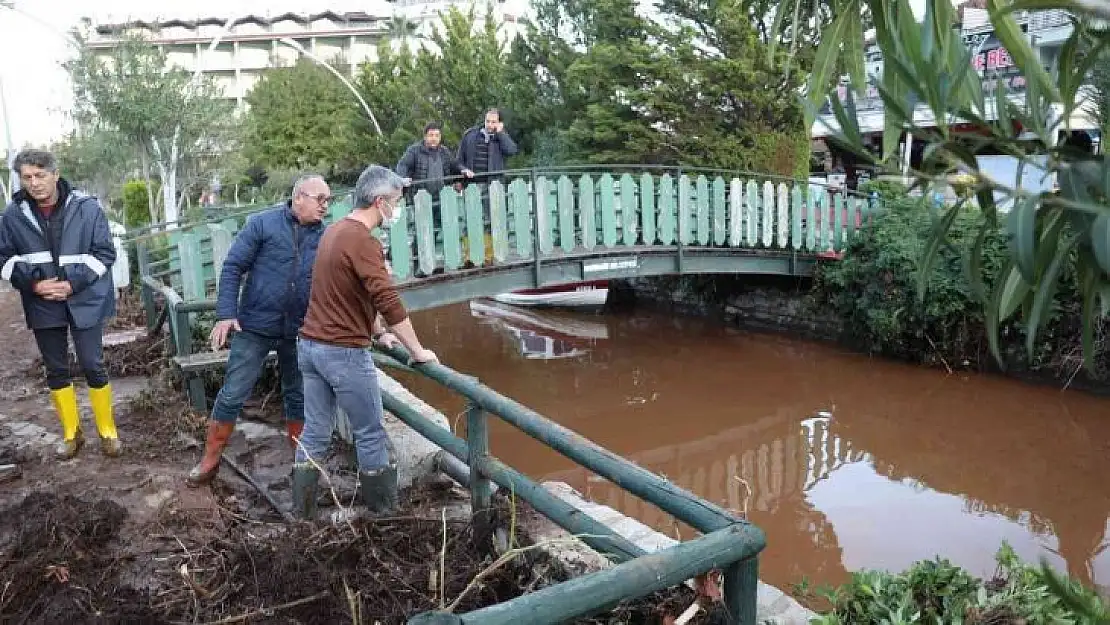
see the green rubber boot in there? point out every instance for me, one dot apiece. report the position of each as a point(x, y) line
point(306, 479)
point(378, 489)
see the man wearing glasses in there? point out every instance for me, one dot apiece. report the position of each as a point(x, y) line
point(275, 251)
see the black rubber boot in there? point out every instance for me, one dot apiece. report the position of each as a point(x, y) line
point(306, 480)
point(378, 489)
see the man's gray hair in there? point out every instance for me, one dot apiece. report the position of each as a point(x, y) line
point(35, 158)
point(303, 179)
point(374, 182)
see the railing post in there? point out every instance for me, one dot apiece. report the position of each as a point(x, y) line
point(145, 291)
point(678, 221)
point(477, 440)
point(535, 228)
point(741, 590)
point(183, 342)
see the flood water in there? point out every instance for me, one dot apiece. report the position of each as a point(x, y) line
point(852, 462)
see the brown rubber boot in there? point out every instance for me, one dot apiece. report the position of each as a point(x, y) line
point(205, 472)
point(294, 430)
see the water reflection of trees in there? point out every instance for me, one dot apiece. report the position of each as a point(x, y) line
point(778, 460)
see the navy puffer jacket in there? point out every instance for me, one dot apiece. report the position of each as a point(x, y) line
point(275, 253)
point(78, 249)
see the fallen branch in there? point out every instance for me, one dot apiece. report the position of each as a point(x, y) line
point(285, 514)
point(268, 611)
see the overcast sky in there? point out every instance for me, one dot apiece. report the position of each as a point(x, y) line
point(32, 47)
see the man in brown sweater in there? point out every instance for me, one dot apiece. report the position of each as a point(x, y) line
point(351, 289)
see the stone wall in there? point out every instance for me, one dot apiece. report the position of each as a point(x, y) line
point(758, 303)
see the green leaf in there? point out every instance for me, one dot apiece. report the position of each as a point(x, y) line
point(824, 65)
point(1028, 61)
point(854, 47)
point(938, 238)
point(1022, 223)
point(1014, 290)
point(975, 264)
point(1100, 241)
point(1046, 292)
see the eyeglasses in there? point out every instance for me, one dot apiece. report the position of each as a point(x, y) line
point(322, 200)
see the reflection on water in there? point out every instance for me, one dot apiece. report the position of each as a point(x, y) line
point(851, 462)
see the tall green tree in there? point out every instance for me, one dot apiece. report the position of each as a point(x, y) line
point(165, 114)
point(300, 117)
point(396, 91)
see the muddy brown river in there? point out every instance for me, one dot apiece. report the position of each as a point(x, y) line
point(851, 462)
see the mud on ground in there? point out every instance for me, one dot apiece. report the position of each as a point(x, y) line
point(100, 540)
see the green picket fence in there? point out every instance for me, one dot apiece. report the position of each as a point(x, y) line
point(571, 214)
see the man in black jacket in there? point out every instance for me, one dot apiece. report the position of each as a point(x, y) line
point(428, 162)
point(57, 251)
point(483, 148)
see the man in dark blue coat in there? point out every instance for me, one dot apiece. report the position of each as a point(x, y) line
point(56, 249)
point(483, 148)
point(274, 252)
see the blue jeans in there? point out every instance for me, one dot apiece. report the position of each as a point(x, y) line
point(343, 376)
point(244, 366)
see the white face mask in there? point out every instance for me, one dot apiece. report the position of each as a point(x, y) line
point(397, 210)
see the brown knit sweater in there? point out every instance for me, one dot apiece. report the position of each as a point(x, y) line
point(350, 285)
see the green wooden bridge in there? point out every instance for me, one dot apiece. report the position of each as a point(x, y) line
point(536, 228)
point(580, 225)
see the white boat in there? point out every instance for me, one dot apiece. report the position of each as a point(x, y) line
point(578, 295)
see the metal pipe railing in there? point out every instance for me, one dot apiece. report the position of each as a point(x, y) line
point(702, 515)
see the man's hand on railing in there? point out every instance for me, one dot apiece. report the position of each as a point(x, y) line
point(468, 173)
point(407, 181)
point(423, 356)
point(218, 337)
point(387, 340)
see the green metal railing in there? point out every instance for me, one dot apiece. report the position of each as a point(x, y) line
point(728, 543)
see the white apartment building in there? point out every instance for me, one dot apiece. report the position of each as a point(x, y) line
point(248, 45)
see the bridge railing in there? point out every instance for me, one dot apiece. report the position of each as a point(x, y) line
point(728, 543)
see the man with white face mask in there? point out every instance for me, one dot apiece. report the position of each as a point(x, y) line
point(351, 288)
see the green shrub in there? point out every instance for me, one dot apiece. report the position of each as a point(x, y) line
point(136, 208)
point(937, 592)
point(873, 289)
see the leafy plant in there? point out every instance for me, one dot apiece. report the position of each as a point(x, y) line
point(928, 64)
point(938, 592)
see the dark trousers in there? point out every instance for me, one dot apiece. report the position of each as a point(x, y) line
point(54, 347)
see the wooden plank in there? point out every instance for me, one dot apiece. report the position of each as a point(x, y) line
point(400, 252)
point(720, 212)
point(608, 211)
point(425, 233)
point(824, 242)
point(192, 273)
point(736, 212)
point(853, 217)
point(685, 210)
point(211, 360)
point(629, 215)
point(499, 221)
point(783, 219)
point(587, 212)
point(751, 215)
point(647, 207)
point(566, 213)
point(702, 211)
point(520, 204)
point(768, 214)
point(544, 208)
point(667, 210)
point(811, 221)
point(221, 244)
point(340, 207)
point(797, 210)
point(838, 222)
point(452, 238)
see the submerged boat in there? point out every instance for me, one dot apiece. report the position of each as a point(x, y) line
point(589, 295)
point(547, 335)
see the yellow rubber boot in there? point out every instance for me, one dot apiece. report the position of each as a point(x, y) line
point(65, 404)
point(101, 400)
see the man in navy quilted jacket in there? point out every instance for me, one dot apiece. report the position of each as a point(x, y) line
point(274, 252)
